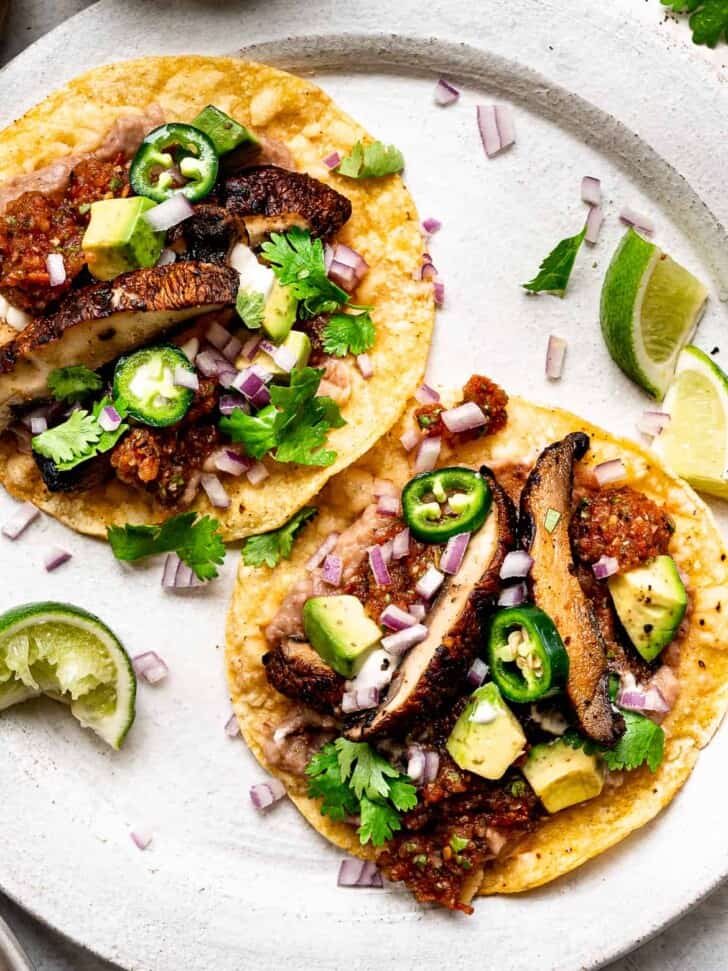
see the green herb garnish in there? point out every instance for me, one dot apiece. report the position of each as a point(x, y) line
point(349, 334)
point(643, 742)
point(708, 21)
point(298, 262)
point(197, 542)
point(270, 548)
point(72, 383)
point(555, 271)
point(79, 438)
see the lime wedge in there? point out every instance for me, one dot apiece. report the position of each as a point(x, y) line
point(70, 655)
point(650, 308)
point(695, 443)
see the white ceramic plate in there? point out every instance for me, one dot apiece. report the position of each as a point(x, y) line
point(220, 886)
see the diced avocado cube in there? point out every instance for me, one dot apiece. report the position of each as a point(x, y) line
point(651, 601)
point(223, 131)
point(279, 314)
point(339, 630)
point(119, 238)
point(562, 776)
point(487, 737)
point(299, 346)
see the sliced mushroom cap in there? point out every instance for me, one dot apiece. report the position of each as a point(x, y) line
point(209, 234)
point(296, 670)
point(96, 324)
point(556, 589)
point(434, 670)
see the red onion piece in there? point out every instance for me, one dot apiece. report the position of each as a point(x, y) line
point(488, 127)
point(463, 418)
point(331, 161)
point(403, 640)
point(251, 384)
point(191, 349)
point(347, 267)
point(229, 402)
point(653, 422)
point(215, 491)
point(322, 552)
point(477, 672)
point(637, 220)
point(611, 471)
point(364, 363)
point(228, 461)
point(359, 873)
point(428, 270)
point(555, 354)
point(401, 544)
point(56, 269)
point(141, 838)
point(232, 348)
point(186, 379)
point(232, 726)
point(384, 487)
point(428, 584)
point(517, 563)
point(431, 225)
point(428, 454)
point(594, 224)
point(250, 347)
point(212, 364)
point(605, 566)
point(359, 699)
point(20, 520)
point(285, 358)
point(265, 794)
point(432, 764)
point(394, 618)
point(178, 576)
point(642, 700)
point(169, 213)
point(445, 93)
point(342, 275)
point(388, 506)
point(38, 424)
point(150, 666)
point(452, 558)
point(217, 335)
point(591, 191)
point(257, 473)
point(387, 551)
point(439, 292)
point(110, 419)
point(512, 596)
point(332, 570)
point(167, 257)
point(379, 567)
point(418, 611)
point(54, 558)
point(427, 395)
point(410, 439)
point(504, 124)
point(415, 762)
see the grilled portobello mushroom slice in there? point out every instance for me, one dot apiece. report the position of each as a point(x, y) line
point(272, 199)
point(296, 670)
point(434, 670)
point(556, 589)
point(209, 234)
point(84, 476)
point(98, 323)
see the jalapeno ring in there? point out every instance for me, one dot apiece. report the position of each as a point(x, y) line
point(526, 655)
point(173, 159)
point(438, 505)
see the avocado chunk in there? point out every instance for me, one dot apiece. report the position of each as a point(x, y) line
point(340, 632)
point(650, 601)
point(487, 737)
point(279, 313)
point(562, 776)
point(223, 131)
point(299, 346)
point(118, 237)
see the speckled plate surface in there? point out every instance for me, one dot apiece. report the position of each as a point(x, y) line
point(593, 93)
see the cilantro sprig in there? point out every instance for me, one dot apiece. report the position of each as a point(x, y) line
point(371, 161)
point(73, 383)
point(349, 334)
point(79, 438)
point(298, 262)
point(708, 21)
point(197, 542)
point(643, 742)
point(555, 271)
point(293, 427)
point(270, 548)
point(351, 779)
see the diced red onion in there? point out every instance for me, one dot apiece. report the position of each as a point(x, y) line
point(349, 257)
point(387, 551)
point(215, 491)
point(250, 383)
point(394, 618)
point(191, 349)
point(555, 354)
point(418, 611)
point(232, 348)
point(169, 213)
point(428, 270)
point(328, 257)
point(650, 700)
point(415, 762)
point(285, 358)
point(110, 419)
point(38, 424)
point(591, 191)
point(379, 567)
point(488, 127)
point(250, 347)
point(427, 395)
point(403, 640)
point(55, 557)
point(401, 544)
point(332, 570)
point(364, 363)
point(183, 378)
point(439, 292)
point(512, 596)
point(359, 699)
point(167, 257)
point(605, 566)
point(505, 126)
point(431, 225)
point(41, 412)
point(477, 672)
point(594, 224)
point(20, 520)
point(384, 487)
point(611, 471)
point(178, 576)
point(232, 726)
point(342, 275)
point(388, 506)
point(213, 365)
point(141, 838)
point(331, 161)
point(653, 422)
point(432, 765)
point(322, 552)
point(228, 461)
point(638, 220)
point(56, 269)
point(359, 873)
point(217, 335)
point(150, 666)
point(257, 473)
point(452, 558)
point(445, 93)
point(265, 794)
point(428, 584)
point(229, 402)
point(463, 418)
point(428, 454)
point(517, 563)
point(410, 439)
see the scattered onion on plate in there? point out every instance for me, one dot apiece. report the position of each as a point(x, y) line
point(265, 794)
point(445, 93)
point(555, 354)
point(359, 873)
point(150, 666)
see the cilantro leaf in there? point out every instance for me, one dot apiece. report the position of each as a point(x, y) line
point(70, 440)
point(708, 21)
point(403, 794)
point(298, 262)
point(256, 432)
point(643, 742)
point(197, 543)
point(367, 769)
point(555, 270)
point(371, 161)
point(72, 383)
point(270, 548)
point(379, 822)
point(325, 783)
point(349, 334)
point(250, 306)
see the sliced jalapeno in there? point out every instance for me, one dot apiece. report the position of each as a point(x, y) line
point(145, 381)
point(174, 158)
point(527, 657)
point(438, 505)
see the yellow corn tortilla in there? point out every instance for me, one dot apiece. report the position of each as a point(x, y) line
point(576, 835)
point(384, 228)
